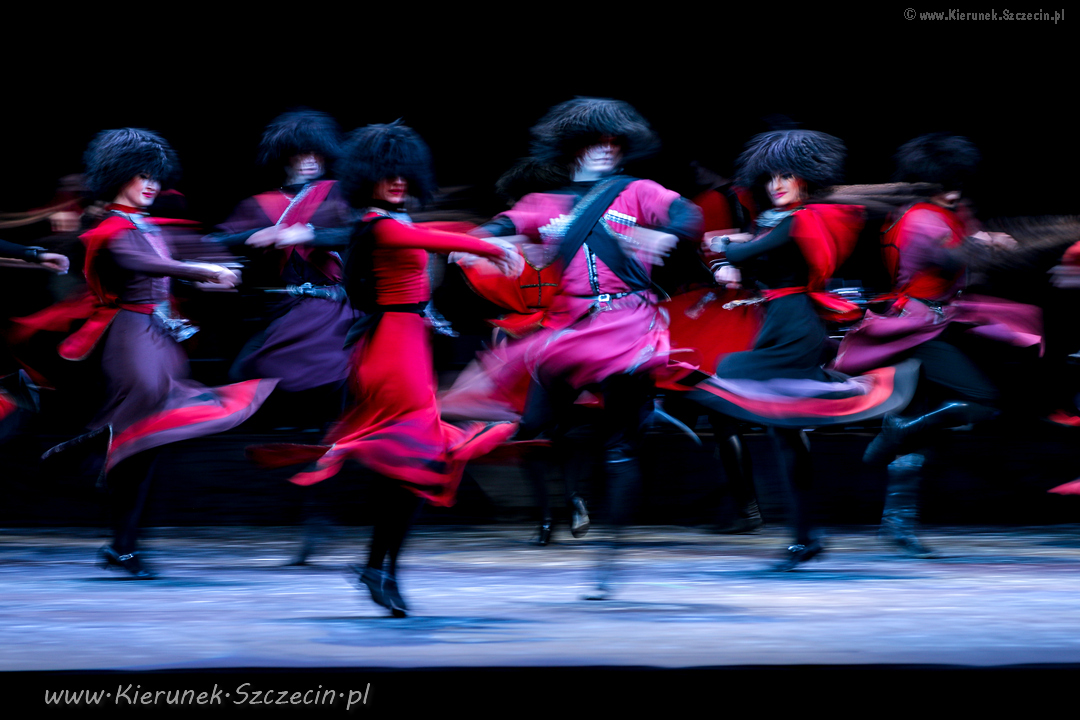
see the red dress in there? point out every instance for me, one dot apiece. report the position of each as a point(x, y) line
point(393, 425)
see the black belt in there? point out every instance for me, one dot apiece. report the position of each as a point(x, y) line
point(368, 322)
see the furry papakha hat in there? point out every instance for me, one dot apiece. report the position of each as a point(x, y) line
point(298, 132)
point(814, 157)
point(115, 157)
point(381, 152)
point(939, 158)
point(572, 126)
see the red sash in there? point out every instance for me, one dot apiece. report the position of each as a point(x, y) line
point(826, 236)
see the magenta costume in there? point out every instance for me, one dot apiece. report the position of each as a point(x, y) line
point(304, 343)
point(602, 322)
point(928, 298)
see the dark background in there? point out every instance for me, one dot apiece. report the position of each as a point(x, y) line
point(472, 84)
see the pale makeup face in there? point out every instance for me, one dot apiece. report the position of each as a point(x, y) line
point(947, 199)
point(140, 192)
point(785, 190)
point(305, 168)
point(598, 160)
point(392, 190)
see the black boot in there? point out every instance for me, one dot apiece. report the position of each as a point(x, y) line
point(899, 436)
point(579, 517)
point(798, 554)
point(901, 515)
point(128, 562)
point(740, 482)
point(383, 588)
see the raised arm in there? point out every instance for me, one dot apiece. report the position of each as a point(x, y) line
point(131, 251)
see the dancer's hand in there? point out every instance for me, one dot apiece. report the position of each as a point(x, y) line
point(511, 263)
point(715, 240)
point(223, 278)
point(294, 235)
point(996, 240)
point(263, 238)
point(54, 261)
point(655, 245)
point(728, 276)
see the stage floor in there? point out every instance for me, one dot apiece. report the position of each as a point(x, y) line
point(486, 597)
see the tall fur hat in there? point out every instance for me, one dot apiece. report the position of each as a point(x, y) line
point(939, 158)
point(298, 132)
point(574, 125)
point(814, 157)
point(115, 157)
point(380, 152)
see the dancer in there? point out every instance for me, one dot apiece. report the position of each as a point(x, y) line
point(150, 399)
point(392, 426)
point(18, 395)
point(291, 233)
point(604, 331)
point(796, 246)
point(524, 302)
point(925, 250)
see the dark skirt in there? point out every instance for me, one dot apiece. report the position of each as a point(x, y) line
point(782, 383)
point(304, 348)
point(151, 399)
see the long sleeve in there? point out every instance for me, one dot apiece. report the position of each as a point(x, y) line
point(779, 236)
point(13, 250)
point(393, 234)
point(132, 252)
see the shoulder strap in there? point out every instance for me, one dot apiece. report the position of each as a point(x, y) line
point(587, 212)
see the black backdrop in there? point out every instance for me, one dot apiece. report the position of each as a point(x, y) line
point(472, 83)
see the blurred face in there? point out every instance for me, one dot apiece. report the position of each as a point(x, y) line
point(947, 199)
point(140, 192)
point(600, 159)
point(785, 190)
point(392, 190)
point(304, 168)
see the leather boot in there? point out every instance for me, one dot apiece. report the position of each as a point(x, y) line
point(901, 515)
point(899, 436)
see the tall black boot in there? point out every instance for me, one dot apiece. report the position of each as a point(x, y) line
point(535, 468)
point(793, 450)
point(901, 515)
point(623, 486)
point(740, 482)
point(899, 436)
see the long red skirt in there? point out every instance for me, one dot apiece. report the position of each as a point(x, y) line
point(393, 425)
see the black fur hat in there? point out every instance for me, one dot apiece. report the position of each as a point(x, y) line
point(939, 158)
point(115, 157)
point(814, 157)
point(380, 152)
point(299, 132)
point(574, 125)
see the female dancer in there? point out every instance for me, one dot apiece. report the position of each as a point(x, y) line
point(925, 250)
point(392, 425)
point(793, 251)
point(150, 399)
point(292, 233)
